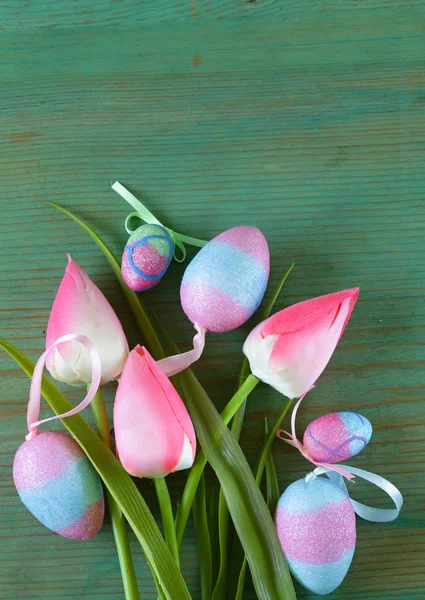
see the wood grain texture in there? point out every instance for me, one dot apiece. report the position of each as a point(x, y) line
point(304, 118)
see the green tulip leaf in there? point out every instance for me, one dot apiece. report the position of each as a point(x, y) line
point(117, 481)
point(200, 519)
point(272, 484)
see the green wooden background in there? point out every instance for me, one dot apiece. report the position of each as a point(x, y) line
point(303, 117)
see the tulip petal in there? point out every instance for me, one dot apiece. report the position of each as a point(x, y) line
point(153, 431)
point(80, 307)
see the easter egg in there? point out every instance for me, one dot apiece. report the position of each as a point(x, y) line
point(146, 257)
point(337, 436)
point(59, 486)
point(225, 282)
point(316, 526)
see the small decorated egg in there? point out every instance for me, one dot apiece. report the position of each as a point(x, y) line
point(59, 486)
point(337, 436)
point(316, 526)
point(225, 282)
point(146, 257)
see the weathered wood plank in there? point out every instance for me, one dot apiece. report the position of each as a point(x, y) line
point(307, 121)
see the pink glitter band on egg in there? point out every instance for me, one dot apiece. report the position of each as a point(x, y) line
point(216, 311)
point(89, 525)
point(42, 461)
point(319, 544)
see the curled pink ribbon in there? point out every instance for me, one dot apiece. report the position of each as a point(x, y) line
point(35, 390)
point(336, 474)
point(293, 441)
point(177, 363)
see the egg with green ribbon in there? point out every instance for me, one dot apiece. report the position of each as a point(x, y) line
point(147, 256)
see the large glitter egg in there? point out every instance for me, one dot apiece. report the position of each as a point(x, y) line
point(225, 282)
point(337, 436)
point(316, 526)
point(146, 257)
point(59, 486)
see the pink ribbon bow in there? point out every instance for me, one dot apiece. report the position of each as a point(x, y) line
point(292, 440)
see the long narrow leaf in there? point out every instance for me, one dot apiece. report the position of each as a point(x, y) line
point(203, 536)
point(270, 304)
point(117, 481)
point(236, 429)
point(241, 580)
point(220, 588)
point(272, 484)
point(246, 504)
point(213, 497)
point(261, 464)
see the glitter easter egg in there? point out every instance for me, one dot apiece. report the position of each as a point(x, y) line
point(225, 282)
point(59, 486)
point(337, 436)
point(146, 257)
point(316, 526)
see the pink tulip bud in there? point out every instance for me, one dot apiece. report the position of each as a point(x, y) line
point(153, 432)
point(80, 307)
point(290, 349)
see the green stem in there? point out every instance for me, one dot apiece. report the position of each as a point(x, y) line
point(101, 418)
point(237, 400)
point(198, 467)
point(167, 517)
point(119, 526)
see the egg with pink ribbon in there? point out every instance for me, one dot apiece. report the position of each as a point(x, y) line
point(59, 486)
point(337, 436)
point(316, 526)
point(225, 282)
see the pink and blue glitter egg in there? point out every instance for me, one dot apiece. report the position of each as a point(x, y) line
point(337, 436)
point(316, 526)
point(146, 257)
point(225, 282)
point(59, 486)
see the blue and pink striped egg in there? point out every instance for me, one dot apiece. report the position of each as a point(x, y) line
point(146, 257)
point(337, 436)
point(316, 526)
point(225, 282)
point(58, 485)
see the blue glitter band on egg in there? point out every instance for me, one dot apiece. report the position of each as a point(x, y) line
point(63, 500)
point(144, 242)
point(321, 579)
point(322, 493)
point(233, 263)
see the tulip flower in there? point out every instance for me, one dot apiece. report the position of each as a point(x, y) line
point(154, 435)
point(80, 307)
point(290, 349)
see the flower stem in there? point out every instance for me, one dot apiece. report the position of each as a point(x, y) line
point(101, 418)
point(198, 467)
point(119, 526)
point(167, 516)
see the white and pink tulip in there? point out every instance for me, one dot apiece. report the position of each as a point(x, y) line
point(290, 349)
point(80, 307)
